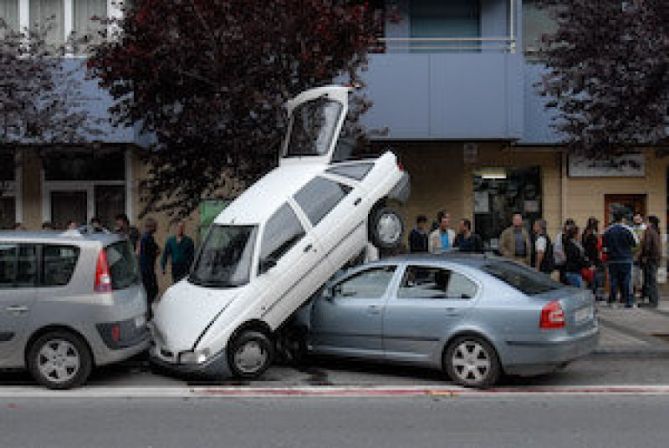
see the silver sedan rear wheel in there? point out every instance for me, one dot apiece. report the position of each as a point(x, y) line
point(472, 362)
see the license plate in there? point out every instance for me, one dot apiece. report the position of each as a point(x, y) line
point(583, 314)
point(140, 321)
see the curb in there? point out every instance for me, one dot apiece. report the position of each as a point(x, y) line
point(323, 392)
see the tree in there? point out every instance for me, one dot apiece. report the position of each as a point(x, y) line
point(40, 98)
point(208, 79)
point(608, 73)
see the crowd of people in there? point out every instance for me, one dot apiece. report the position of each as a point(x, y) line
point(628, 255)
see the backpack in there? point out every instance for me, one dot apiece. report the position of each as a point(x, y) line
point(548, 263)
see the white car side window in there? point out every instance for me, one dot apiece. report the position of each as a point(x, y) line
point(282, 231)
point(319, 197)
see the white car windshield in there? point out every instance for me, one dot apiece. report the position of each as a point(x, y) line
point(225, 258)
point(313, 128)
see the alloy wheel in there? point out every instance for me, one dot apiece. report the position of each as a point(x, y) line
point(58, 361)
point(471, 362)
point(250, 357)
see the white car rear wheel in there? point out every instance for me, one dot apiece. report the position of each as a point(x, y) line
point(386, 228)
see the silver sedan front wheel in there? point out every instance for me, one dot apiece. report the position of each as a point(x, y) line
point(472, 362)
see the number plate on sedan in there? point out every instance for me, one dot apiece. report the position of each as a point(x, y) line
point(584, 314)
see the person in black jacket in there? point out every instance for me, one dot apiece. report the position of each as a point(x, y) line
point(466, 241)
point(541, 257)
point(592, 247)
point(418, 236)
point(575, 257)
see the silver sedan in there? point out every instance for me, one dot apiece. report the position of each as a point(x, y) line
point(473, 316)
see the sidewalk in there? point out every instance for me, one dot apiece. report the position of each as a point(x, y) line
point(637, 331)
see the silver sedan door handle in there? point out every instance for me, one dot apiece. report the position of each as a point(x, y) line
point(17, 309)
point(452, 311)
point(374, 309)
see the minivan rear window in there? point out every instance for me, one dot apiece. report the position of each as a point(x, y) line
point(123, 267)
point(524, 279)
point(58, 263)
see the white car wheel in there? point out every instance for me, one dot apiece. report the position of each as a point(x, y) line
point(250, 354)
point(386, 228)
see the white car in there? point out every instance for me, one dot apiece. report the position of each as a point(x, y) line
point(277, 244)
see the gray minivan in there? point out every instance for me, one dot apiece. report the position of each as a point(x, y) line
point(69, 301)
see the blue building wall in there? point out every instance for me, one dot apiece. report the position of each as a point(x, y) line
point(459, 95)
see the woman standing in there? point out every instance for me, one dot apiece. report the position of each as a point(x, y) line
point(592, 245)
point(575, 257)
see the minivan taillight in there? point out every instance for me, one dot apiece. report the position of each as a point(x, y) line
point(552, 316)
point(102, 277)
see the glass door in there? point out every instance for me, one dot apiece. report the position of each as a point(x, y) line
point(68, 206)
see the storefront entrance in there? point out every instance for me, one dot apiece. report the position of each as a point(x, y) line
point(499, 193)
point(630, 203)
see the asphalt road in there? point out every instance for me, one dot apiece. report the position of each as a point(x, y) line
point(514, 422)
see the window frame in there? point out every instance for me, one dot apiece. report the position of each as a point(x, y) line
point(452, 270)
point(41, 264)
point(343, 186)
point(38, 261)
point(287, 205)
point(333, 288)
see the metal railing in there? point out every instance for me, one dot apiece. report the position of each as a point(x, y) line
point(445, 44)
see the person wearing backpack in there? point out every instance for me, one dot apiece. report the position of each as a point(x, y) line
point(542, 258)
point(575, 257)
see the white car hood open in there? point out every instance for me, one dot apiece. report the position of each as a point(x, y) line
point(185, 311)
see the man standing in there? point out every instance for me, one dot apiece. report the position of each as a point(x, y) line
point(418, 236)
point(650, 256)
point(148, 252)
point(466, 241)
point(442, 239)
point(515, 241)
point(123, 227)
point(618, 241)
point(180, 251)
point(541, 257)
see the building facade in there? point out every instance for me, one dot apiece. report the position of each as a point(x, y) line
point(456, 88)
point(454, 84)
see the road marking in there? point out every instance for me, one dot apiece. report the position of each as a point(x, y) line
point(100, 392)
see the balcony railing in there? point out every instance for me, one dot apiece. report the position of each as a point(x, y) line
point(445, 44)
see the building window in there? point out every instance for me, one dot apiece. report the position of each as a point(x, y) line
point(439, 19)
point(537, 22)
point(501, 192)
point(83, 23)
point(81, 186)
point(52, 12)
point(7, 191)
point(9, 12)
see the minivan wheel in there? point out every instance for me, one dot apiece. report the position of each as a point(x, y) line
point(59, 360)
point(250, 354)
point(386, 228)
point(471, 361)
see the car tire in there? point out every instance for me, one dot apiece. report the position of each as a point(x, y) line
point(59, 360)
point(471, 361)
point(250, 354)
point(386, 228)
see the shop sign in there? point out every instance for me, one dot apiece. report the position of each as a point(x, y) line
point(627, 165)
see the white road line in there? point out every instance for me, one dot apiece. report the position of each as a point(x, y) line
point(101, 392)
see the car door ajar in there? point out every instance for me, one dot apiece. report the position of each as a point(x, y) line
point(428, 303)
point(18, 292)
point(348, 319)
